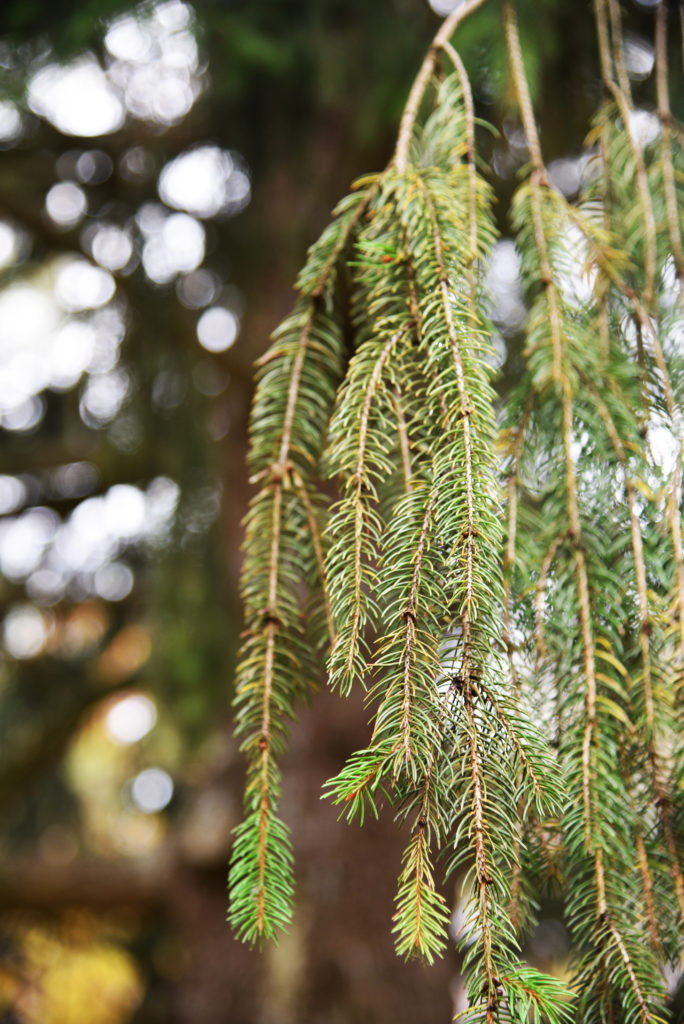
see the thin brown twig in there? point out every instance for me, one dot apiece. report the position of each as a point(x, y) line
point(540, 592)
point(646, 204)
point(469, 107)
point(665, 114)
point(409, 616)
point(619, 50)
point(404, 443)
point(511, 539)
point(622, 95)
point(408, 118)
point(481, 862)
point(647, 883)
point(603, 40)
point(317, 542)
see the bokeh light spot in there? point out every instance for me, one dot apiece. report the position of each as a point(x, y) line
point(126, 39)
point(197, 289)
point(65, 204)
point(645, 127)
point(24, 631)
point(111, 246)
point(445, 7)
point(24, 540)
point(24, 416)
point(80, 285)
point(113, 581)
point(103, 396)
point(217, 329)
point(94, 166)
point(175, 243)
point(205, 181)
point(136, 164)
point(76, 98)
point(10, 122)
point(13, 493)
point(639, 57)
point(152, 790)
point(125, 511)
point(8, 244)
point(72, 349)
point(130, 719)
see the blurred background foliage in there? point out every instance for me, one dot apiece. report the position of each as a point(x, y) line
point(162, 169)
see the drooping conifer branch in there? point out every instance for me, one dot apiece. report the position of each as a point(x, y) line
point(469, 112)
point(350, 566)
point(299, 375)
point(661, 798)
point(446, 527)
point(672, 211)
point(428, 594)
point(538, 182)
point(531, 840)
point(465, 412)
point(411, 732)
point(470, 528)
point(553, 326)
point(422, 916)
point(645, 315)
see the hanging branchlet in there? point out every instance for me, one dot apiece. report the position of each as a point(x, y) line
point(434, 661)
point(646, 224)
point(297, 383)
point(584, 572)
point(656, 201)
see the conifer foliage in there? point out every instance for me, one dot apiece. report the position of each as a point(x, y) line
point(507, 584)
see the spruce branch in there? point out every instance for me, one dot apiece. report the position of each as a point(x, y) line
point(538, 183)
point(648, 327)
point(553, 327)
point(409, 653)
point(650, 738)
point(422, 917)
point(473, 586)
point(350, 566)
point(282, 546)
